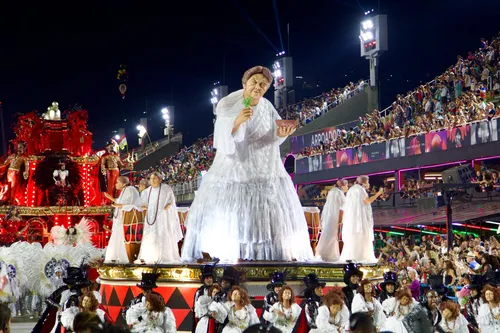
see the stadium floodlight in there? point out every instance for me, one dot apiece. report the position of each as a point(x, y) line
point(117, 137)
point(367, 36)
point(214, 100)
point(368, 24)
point(142, 130)
point(215, 92)
point(166, 116)
point(164, 111)
point(277, 73)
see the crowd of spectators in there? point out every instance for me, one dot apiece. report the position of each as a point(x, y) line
point(458, 96)
point(312, 108)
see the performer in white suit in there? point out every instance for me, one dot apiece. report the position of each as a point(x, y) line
point(328, 245)
point(357, 226)
point(162, 229)
point(129, 199)
point(247, 193)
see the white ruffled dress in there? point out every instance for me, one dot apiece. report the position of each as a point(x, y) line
point(486, 319)
point(246, 206)
point(394, 322)
point(143, 321)
point(284, 323)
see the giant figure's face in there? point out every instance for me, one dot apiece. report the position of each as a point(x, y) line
point(256, 87)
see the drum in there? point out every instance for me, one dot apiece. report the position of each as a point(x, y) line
point(133, 226)
point(313, 223)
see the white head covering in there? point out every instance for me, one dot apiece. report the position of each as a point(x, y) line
point(227, 103)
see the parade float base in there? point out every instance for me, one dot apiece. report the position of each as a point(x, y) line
point(178, 283)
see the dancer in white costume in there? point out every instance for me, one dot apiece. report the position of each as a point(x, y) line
point(129, 199)
point(162, 229)
point(328, 245)
point(247, 194)
point(357, 226)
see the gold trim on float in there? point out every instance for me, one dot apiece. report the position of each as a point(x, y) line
point(65, 210)
point(252, 273)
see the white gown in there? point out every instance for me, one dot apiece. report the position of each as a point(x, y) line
point(162, 229)
point(68, 316)
point(486, 319)
point(394, 322)
point(326, 324)
point(287, 323)
point(459, 325)
point(360, 305)
point(116, 246)
point(238, 320)
point(247, 195)
point(144, 321)
point(328, 245)
point(357, 227)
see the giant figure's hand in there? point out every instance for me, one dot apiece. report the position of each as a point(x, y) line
point(243, 117)
point(284, 131)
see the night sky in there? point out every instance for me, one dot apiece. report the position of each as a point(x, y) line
point(174, 51)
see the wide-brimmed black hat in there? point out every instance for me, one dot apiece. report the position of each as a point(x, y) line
point(312, 282)
point(232, 275)
point(148, 280)
point(351, 269)
point(436, 284)
point(75, 277)
point(207, 271)
point(277, 280)
point(476, 281)
point(390, 278)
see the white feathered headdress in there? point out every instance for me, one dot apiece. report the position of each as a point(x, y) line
point(48, 268)
point(78, 235)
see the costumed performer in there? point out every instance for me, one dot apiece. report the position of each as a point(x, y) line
point(128, 199)
point(285, 312)
point(207, 278)
point(357, 226)
point(331, 218)
point(313, 296)
point(230, 278)
point(474, 301)
point(143, 184)
point(16, 163)
point(88, 303)
point(148, 283)
point(247, 192)
point(110, 167)
point(238, 311)
point(151, 316)
point(365, 301)
point(60, 175)
point(210, 313)
point(162, 228)
point(488, 317)
point(453, 321)
point(389, 286)
point(396, 308)
point(277, 282)
point(80, 234)
point(333, 315)
point(352, 277)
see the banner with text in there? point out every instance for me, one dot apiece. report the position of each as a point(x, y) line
point(313, 139)
point(455, 138)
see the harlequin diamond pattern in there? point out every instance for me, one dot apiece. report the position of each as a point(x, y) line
point(180, 300)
